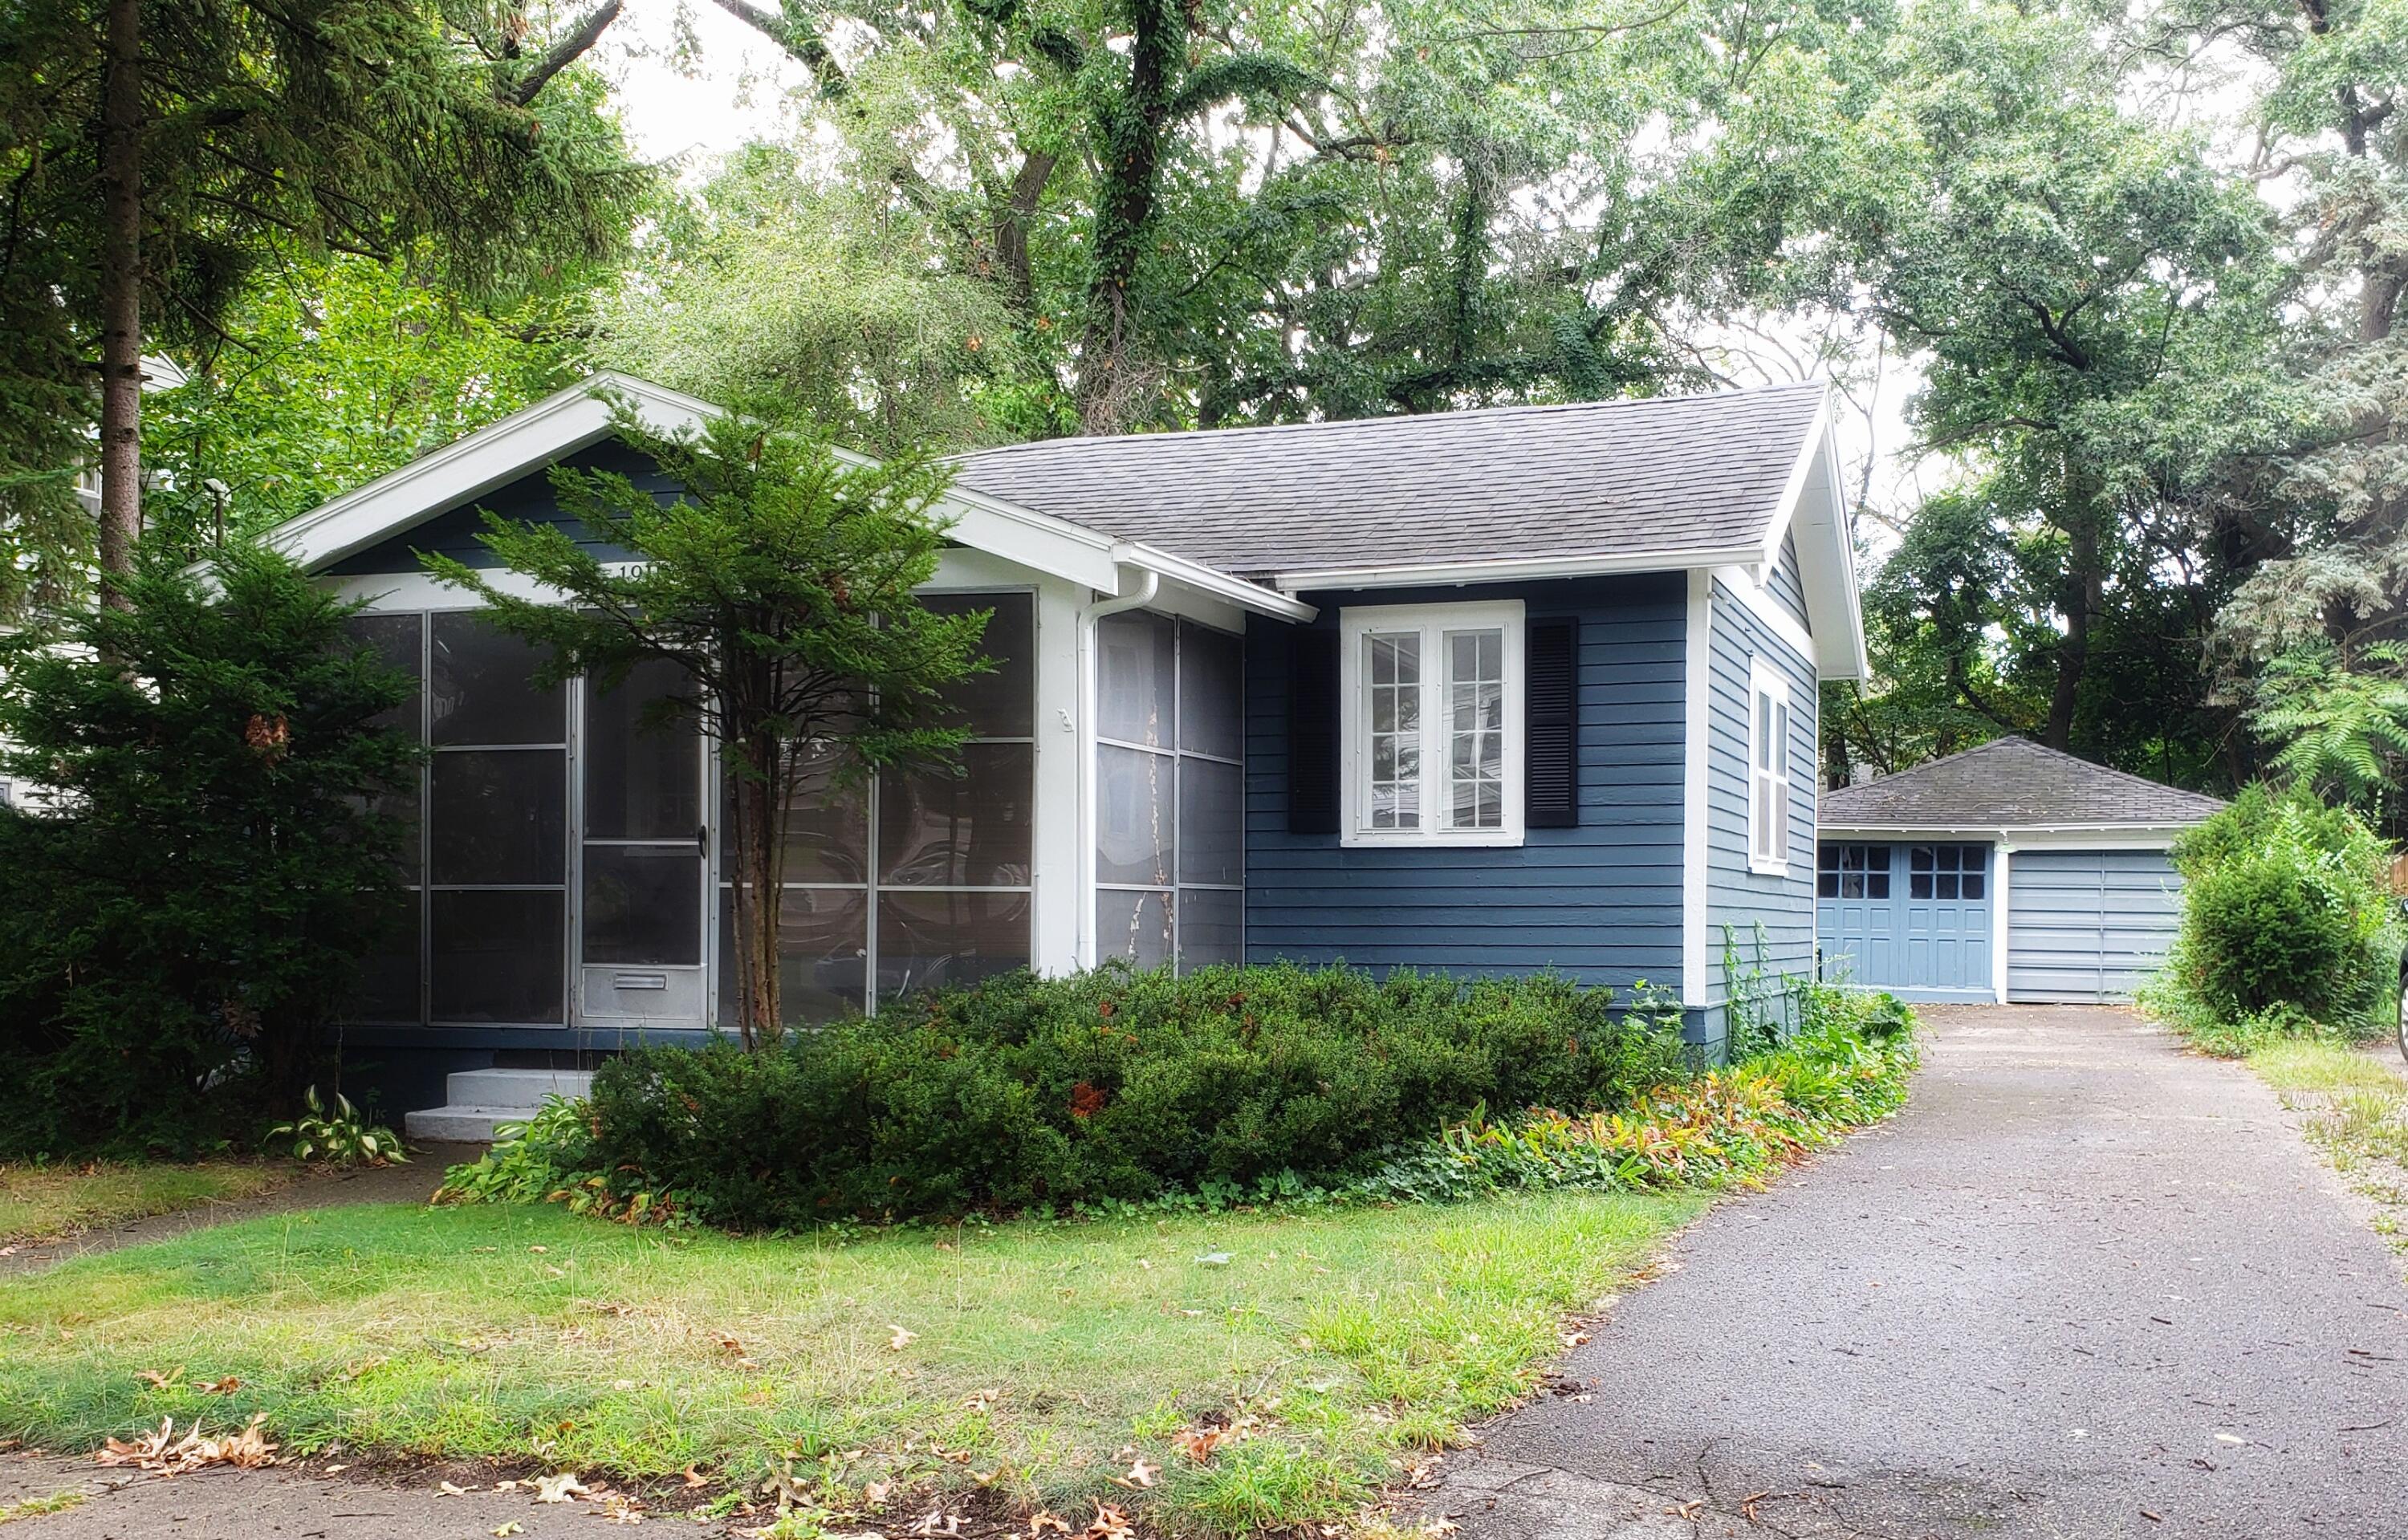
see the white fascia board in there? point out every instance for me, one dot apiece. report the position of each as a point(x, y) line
point(2137, 836)
point(1801, 471)
point(535, 435)
point(1507, 569)
point(1213, 581)
point(568, 420)
point(1814, 502)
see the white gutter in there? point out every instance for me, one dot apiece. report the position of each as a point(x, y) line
point(1212, 580)
point(1090, 704)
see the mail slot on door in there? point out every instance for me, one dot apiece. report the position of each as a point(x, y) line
point(667, 996)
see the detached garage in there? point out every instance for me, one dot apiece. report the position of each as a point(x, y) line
point(2008, 872)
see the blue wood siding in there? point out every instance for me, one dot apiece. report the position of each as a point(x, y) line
point(454, 532)
point(1742, 903)
point(1783, 583)
point(1601, 901)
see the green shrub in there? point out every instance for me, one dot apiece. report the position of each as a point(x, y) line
point(2286, 927)
point(184, 914)
point(1110, 1086)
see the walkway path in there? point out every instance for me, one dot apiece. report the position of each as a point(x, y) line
point(2085, 1286)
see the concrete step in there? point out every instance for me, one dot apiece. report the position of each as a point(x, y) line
point(524, 1088)
point(476, 1100)
point(462, 1125)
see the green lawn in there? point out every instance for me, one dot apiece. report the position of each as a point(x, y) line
point(1041, 1358)
point(2355, 1104)
point(43, 1202)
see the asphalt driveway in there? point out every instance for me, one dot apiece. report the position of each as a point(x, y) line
point(2085, 1286)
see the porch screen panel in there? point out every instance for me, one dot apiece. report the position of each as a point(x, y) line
point(496, 830)
point(391, 987)
point(921, 878)
point(1169, 815)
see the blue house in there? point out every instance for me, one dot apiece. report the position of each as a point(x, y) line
point(1491, 691)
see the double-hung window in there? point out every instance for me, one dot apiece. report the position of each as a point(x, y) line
point(1433, 697)
point(1768, 777)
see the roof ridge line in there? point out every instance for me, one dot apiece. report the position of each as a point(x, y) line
point(1515, 408)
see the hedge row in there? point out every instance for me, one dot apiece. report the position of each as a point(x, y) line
point(1110, 1086)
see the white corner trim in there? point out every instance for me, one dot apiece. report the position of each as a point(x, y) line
point(1431, 621)
point(1767, 678)
point(2001, 910)
point(1696, 713)
point(1507, 569)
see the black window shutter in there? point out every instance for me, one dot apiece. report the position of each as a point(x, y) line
point(1313, 718)
point(1551, 726)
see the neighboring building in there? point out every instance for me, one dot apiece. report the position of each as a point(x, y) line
point(2008, 872)
point(1484, 692)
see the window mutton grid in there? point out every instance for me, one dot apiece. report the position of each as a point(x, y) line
point(1853, 871)
point(1431, 724)
point(1948, 872)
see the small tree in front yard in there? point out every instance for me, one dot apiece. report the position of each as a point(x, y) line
point(778, 581)
point(183, 907)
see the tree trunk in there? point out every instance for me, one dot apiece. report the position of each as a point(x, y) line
point(2080, 600)
point(1128, 161)
point(120, 298)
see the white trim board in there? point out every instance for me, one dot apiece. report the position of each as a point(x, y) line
point(1696, 715)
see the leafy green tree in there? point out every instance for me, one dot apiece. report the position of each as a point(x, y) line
point(347, 368)
point(2094, 305)
point(840, 305)
point(778, 584)
point(1220, 213)
point(157, 155)
point(183, 907)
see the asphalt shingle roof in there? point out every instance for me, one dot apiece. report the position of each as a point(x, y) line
point(1624, 478)
point(2010, 783)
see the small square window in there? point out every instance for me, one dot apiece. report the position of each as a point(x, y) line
point(1433, 724)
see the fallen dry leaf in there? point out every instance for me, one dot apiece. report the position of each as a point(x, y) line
point(1139, 1473)
point(938, 1522)
point(1041, 1523)
point(902, 1338)
point(1110, 1523)
point(1197, 1443)
point(154, 1376)
point(563, 1488)
point(875, 1492)
point(1575, 1339)
point(167, 1455)
point(512, 1527)
point(695, 1479)
point(448, 1490)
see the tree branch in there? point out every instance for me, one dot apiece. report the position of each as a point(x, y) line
point(564, 53)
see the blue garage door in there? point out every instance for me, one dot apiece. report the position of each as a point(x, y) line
point(2089, 925)
point(1915, 918)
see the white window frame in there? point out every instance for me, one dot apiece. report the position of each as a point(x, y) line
point(1766, 682)
point(1431, 622)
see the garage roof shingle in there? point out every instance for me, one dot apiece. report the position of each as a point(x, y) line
point(1623, 478)
point(2010, 783)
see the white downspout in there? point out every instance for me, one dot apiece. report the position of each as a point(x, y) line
point(1090, 700)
